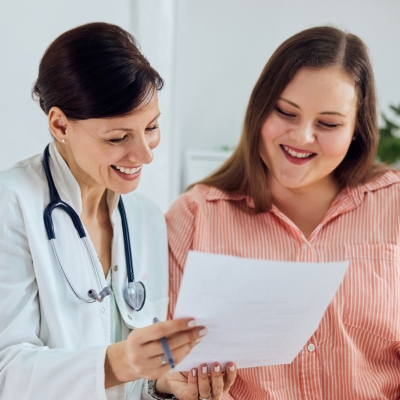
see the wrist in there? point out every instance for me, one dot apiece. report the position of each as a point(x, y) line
point(154, 390)
point(162, 385)
point(116, 366)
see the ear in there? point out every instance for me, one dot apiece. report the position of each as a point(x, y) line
point(58, 124)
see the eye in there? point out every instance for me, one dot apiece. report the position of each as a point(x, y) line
point(285, 114)
point(328, 126)
point(152, 128)
point(120, 140)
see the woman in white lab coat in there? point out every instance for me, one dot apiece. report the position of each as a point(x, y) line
point(100, 95)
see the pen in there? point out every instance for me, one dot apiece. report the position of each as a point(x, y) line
point(164, 344)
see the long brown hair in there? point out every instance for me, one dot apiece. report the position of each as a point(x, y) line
point(319, 47)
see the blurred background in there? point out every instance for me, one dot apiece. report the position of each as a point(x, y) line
point(210, 54)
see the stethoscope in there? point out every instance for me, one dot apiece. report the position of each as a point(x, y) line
point(134, 292)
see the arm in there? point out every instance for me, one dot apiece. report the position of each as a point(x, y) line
point(31, 370)
point(26, 364)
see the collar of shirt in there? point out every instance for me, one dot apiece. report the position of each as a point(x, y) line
point(68, 187)
point(347, 199)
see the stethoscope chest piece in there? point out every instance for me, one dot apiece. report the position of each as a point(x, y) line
point(135, 295)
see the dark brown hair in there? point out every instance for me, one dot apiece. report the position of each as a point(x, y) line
point(94, 71)
point(319, 47)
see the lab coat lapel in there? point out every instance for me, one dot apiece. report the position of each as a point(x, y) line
point(133, 319)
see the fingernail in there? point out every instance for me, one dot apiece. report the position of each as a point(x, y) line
point(232, 368)
point(192, 323)
point(217, 368)
point(194, 371)
point(204, 370)
point(203, 332)
point(198, 340)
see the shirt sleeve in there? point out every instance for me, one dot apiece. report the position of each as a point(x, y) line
point(28, 368)
point(181, 227)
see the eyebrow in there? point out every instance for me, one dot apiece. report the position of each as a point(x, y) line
point(129, 129)
point(322, 113)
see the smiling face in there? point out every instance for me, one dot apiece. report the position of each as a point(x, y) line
point(308, 133)
point(110, 152)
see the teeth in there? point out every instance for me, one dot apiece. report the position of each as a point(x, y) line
point(297, 155)
point(128, 171)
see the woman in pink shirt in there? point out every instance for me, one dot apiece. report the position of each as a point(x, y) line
point(302, 185)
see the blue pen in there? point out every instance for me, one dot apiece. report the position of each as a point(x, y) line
point(164, 344)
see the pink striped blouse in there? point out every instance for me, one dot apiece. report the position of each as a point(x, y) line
point(355, 352)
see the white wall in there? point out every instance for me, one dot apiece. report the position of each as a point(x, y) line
point(210, 53)
point(226, 43)
point(154, 26)
point(26, 29)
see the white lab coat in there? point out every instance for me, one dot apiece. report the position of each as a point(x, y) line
point(53, 345)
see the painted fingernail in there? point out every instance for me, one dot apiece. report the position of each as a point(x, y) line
point(192, 323)
point(194, 371)
point(217, 368)
point(203, 332)
point(204, 369)
point(232, 368)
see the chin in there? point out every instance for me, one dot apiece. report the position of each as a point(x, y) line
point(125, 189)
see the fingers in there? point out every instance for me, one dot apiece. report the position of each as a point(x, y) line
point(165, 329)
point(178, 355)
point(229, 376)
point(177, 340)
point(192, 390)
point(203, 381)
point(217, 381)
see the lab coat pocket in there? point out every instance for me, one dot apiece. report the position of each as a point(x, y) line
point(372, 290)
point(159, 308)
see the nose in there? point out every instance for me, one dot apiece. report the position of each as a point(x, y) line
point(303, 133)
point(141, 150)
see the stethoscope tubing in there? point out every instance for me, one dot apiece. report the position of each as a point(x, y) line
point(56, 202)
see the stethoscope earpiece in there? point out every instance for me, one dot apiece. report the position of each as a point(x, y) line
point(106, 291)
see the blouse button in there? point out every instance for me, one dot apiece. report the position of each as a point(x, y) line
point(103, 310)
point(115, 267)
point(311, 347)
point(304, 246)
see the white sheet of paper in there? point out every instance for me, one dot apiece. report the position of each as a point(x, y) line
point(256, 312)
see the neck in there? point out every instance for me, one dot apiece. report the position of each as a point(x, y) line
point(306, 208)
point(94, 196)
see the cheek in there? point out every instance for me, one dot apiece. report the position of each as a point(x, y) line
point(336, 147)
point(272, 129)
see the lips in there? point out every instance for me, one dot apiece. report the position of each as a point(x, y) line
point(297, 156)
point(127, 171)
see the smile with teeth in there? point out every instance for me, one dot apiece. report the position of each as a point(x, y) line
point(295, 154)
point(128, 171)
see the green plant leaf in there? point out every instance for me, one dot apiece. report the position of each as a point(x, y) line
point(389, 149)
point(396, 109)
point(385, 133)
point(389, 124)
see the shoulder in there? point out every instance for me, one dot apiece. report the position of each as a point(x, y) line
point(382, 192)
point(206, 197)
point(202, 194)
point(189, 201)
point(390, 180)
point(143, 211)
point(23, 176)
